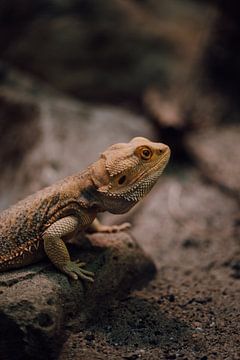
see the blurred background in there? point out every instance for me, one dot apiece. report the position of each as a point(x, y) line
point(78, 75)
point(173, 64)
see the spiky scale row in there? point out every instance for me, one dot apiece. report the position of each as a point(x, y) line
point(29, 247)
point(23, 227)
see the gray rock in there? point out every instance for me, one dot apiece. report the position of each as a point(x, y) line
point(38, 301)
point(182, 211)
point(183, 215)
point(216, 152)
point(191, 229)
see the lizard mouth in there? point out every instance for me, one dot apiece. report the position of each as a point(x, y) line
point(144, 182)
point(157, 168)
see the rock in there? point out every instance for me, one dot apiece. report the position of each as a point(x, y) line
point(165, 112)
point(54, 136)
point(23, 114)
point(216, 152)
point(37, 301)
point(234, 265)
point(183, 207)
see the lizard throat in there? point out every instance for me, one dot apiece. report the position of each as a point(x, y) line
point(142, 185)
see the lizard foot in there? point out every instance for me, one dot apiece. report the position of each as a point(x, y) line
point(113, 228)
point(74, 270)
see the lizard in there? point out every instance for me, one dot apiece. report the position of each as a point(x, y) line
point(41, 224)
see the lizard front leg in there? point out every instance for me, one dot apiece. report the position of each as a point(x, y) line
point(57, 251)
point(96, 226)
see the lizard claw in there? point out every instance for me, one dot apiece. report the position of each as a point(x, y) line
point(80, 264)
point(75, 271)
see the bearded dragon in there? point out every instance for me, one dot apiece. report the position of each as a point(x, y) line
point(42, 223)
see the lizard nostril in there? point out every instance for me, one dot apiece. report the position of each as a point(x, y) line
point(163, 150)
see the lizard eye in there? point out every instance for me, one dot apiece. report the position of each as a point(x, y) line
point(122, 180)
point(146, 153)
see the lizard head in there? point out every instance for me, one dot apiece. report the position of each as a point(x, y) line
point(126, 172)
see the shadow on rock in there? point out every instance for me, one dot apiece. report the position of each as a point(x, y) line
point(38, 301)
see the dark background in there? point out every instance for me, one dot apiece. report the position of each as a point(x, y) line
point(77, 76)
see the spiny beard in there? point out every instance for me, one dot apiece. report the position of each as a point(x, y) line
point(138, 191)
point(141, 188)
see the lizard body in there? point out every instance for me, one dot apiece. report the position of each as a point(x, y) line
point(40, 224)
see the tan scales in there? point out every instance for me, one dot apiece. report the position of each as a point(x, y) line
point(42, 223)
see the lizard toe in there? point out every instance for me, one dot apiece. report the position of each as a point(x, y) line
point(75, 271)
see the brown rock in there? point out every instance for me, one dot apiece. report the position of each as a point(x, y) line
point(216, 152)
point(36, 302)
point(164, 111)
point(182, 210)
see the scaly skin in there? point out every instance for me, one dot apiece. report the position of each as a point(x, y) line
point(42, 223)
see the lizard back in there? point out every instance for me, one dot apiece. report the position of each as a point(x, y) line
point(22, 225)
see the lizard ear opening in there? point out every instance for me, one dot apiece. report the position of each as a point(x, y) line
point(122, 180)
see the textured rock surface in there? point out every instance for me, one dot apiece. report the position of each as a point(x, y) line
point(215, 152)
point(191, 309)
point(36, 302)
point(185, 215)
